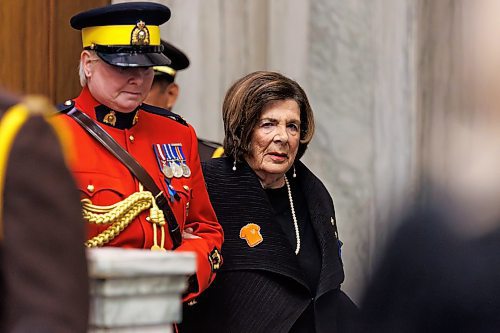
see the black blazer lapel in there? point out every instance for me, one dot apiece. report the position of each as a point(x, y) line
point(322, 212)
point(249, 204)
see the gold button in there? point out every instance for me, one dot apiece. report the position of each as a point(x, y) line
point(131, 138)
point(90, 188)
point(186, 187)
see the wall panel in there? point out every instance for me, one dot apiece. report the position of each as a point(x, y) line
point(40, 51)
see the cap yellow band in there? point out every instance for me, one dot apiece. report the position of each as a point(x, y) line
point(165, 69)
point(110, 35)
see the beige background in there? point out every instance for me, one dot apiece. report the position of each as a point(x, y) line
point(377, 75)
point(385, 79)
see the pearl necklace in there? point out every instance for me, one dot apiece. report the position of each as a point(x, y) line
point(295, 224)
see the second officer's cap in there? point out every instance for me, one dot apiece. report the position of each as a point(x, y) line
point(179, 60)
point(125, 34)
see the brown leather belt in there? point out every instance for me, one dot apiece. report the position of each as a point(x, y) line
point(137, 170)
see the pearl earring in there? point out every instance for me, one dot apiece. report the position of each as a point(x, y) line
point(294, 173)
point(234, 165)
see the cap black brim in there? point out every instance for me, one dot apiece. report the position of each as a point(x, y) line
point(134, 59)
point(179, 59)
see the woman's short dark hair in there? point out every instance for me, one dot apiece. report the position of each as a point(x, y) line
point(245, 102)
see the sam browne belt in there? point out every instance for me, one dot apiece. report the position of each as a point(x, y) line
point(124, 213)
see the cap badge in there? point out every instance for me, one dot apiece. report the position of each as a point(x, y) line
point(140, 34)
point(251, 233)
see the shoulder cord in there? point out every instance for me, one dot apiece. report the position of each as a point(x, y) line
point(121, 214)
point(137, 170)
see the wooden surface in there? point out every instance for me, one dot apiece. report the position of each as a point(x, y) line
point(40, 51)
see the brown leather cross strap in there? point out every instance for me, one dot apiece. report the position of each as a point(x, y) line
point(137, 170)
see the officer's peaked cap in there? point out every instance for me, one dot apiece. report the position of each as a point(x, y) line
point(179, 62)
point(124, 34)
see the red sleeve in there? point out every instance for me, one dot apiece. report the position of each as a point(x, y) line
point(205, 225)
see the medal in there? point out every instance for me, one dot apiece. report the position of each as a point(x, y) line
point(167, 171)
point(175, 164)
point(171, 160)
point(186, 172)
point(177, 169)
point(161, 158)
point(168, 167)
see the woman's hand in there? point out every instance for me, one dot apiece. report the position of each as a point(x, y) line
point(188, 234)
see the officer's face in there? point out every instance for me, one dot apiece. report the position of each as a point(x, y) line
point(122, 89)
point(275, 139)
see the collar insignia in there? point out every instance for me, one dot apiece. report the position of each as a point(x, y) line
point(110, 118)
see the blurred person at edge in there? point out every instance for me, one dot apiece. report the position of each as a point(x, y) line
point(165, 91)
point(282, 269)
point(121, 44)
point(43, 271)
point(441, 270)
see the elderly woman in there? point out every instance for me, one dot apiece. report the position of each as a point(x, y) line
point(282, 268)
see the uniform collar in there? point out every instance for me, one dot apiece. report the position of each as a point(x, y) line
point(104, 114)
point(109, 117)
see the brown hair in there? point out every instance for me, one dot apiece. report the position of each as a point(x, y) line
point(245, 101)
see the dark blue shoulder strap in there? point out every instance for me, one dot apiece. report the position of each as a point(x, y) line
point(66, 106)
point(163, 112)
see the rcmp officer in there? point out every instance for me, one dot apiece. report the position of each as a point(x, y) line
point(165, 91)
point(43, 277)
point(136, 166)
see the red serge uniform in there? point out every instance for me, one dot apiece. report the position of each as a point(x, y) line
point(105, 181)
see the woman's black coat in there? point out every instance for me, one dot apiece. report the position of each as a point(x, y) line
point(262, 289)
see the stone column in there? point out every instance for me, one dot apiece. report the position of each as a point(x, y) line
point(355, 59)
point(361, 80)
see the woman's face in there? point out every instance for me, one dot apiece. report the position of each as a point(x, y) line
point(275, 140)
point(122, 89)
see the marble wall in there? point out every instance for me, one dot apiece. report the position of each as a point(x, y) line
point(362, 85)
point(356, 60)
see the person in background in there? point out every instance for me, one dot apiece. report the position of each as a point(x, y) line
point(137, 169)
point(440, 270)
point(282, 267)
point(165, 90)
point(43, 271)
point(434, 277)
